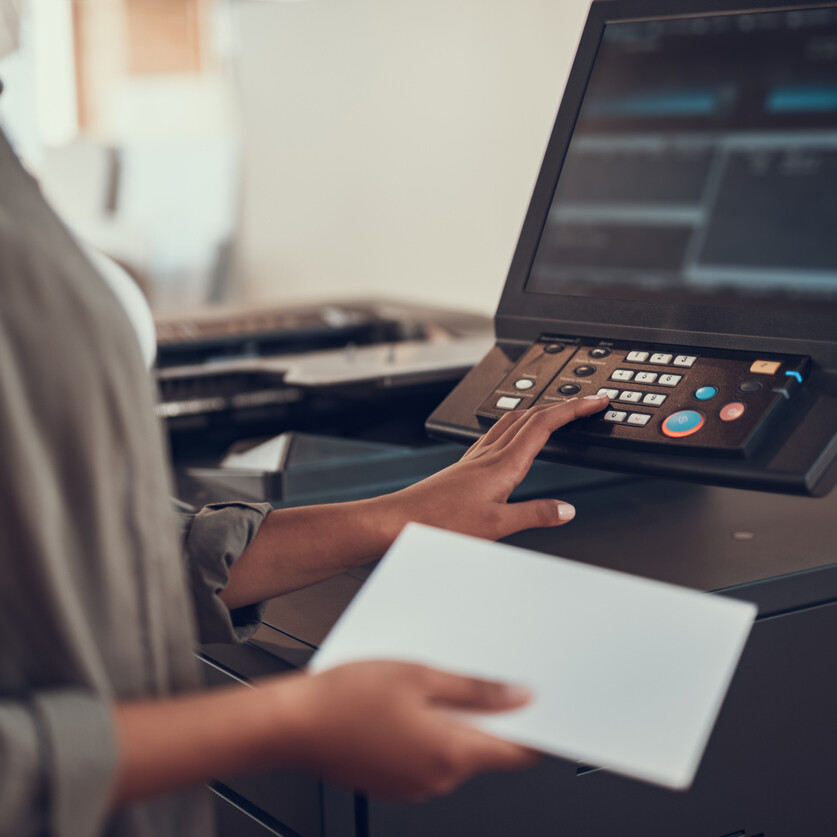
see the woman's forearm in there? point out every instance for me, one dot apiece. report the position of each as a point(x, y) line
point(300, 546)
point(169, 744)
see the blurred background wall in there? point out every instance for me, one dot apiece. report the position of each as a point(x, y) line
point(391, 147)
point(248, 150)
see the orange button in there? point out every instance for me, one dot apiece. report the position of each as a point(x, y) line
point(765, 367)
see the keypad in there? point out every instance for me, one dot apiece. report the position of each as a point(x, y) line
point(659, 395)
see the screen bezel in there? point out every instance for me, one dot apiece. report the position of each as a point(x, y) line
point(798, 324)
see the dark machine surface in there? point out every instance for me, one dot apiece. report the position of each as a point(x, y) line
point(684, 210)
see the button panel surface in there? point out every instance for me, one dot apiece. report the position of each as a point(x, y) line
point(661, 396)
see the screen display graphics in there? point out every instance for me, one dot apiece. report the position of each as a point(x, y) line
point(703, 163)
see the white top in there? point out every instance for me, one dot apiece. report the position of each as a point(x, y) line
point(126, 290)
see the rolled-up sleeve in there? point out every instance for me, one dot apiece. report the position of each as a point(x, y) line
point(58, 760)
point(213, 540)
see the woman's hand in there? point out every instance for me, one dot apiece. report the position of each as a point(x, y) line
point(382, 727)
point(385, 728)
point(299, 546)
point(471, 496)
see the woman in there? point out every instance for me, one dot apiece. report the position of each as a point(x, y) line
point(103, 727)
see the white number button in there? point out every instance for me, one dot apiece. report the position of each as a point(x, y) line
point(686, 361)
point(612, 394)
point(661, 359)
point(637, 357)
point(631, 397)
point(670, 380)
point(645, 377)
point(622, 375)
point(654, 399)
point(615, 416)
point(639, 419)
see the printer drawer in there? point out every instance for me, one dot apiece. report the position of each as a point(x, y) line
point(290, 798)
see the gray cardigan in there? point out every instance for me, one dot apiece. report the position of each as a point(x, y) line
point(96, 601)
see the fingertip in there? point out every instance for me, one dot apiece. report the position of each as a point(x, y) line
point(494, 696)
point(566, 512)
point(514, 695)
point(595, 402)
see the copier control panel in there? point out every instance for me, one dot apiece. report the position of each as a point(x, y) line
point(661, 395)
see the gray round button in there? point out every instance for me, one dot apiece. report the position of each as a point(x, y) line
point(750, 386)
point(553, 348)
point(584, 371)
point(524, 383)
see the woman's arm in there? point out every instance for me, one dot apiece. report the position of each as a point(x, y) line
point(379, 727)
point(300, 546)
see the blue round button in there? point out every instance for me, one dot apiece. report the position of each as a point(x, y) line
point(682, 423)
point(705, 393)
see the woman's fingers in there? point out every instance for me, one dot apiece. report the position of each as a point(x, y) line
point(489, 754)
point(506, 421)
point(473, 693)
point(529, 437)
point(510, 424)
point(536, 514)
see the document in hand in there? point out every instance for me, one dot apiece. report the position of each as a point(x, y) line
point(627, 673)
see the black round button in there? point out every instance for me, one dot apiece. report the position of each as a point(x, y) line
point(599, 351)
point(750, 386)
point(584, 371)
point(553, 348)
point(569, 389)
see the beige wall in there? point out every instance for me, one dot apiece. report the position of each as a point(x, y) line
point(391, 147)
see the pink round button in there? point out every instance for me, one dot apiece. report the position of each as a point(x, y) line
point(733, 411)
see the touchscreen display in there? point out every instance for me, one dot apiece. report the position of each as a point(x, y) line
point(703, 164)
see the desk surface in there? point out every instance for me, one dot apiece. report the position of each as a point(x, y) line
point(778, 551)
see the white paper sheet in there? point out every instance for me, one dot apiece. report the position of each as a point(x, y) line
point(627, 674)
